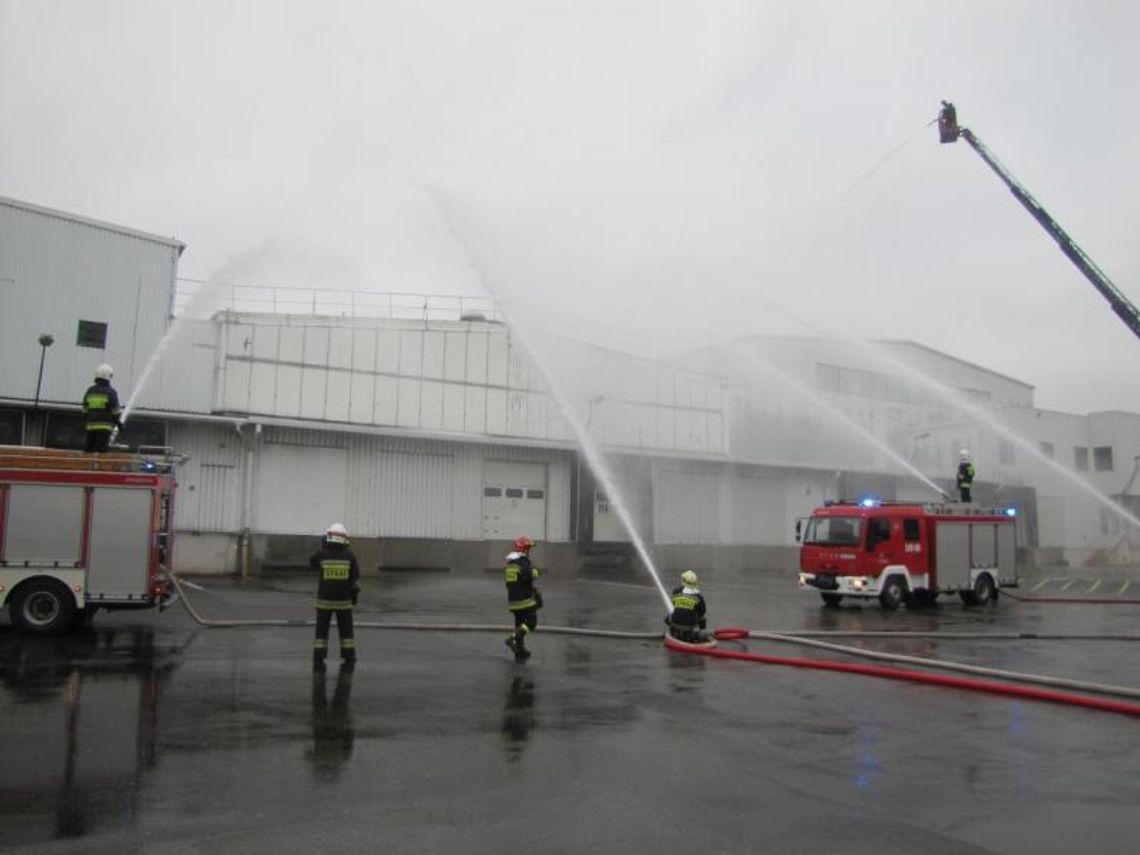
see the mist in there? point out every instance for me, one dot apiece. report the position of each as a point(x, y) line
point(652, 176)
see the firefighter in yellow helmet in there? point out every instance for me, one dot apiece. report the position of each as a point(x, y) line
point(686, 619)
point(523, 598)
point(101, 409)
point(337, 590)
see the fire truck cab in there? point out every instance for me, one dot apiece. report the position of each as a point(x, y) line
point(80, 532)
point(907, 553)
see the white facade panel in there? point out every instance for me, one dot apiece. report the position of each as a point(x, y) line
point(299, 489)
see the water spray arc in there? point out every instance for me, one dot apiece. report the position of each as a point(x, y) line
point(818, 400)
point(561, 399)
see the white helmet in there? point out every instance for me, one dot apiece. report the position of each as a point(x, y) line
point(689, 577)
point(964, 456)
point(336, 533)
point(104, 372)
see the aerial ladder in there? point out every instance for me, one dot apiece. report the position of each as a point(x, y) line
point(949, 131)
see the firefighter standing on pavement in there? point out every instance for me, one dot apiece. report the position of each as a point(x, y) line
point(101, 409)
point(523, 598)
point(337, 590)
point(686, 620)
point(965, 477)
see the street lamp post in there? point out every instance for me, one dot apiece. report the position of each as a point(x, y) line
point(45, 341)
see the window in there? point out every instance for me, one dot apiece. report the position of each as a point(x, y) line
point(1046, 448)
point(1102, 458)
point(11, 427)
point(535, 494)
point(1081, 458)
point(910, 529)
point(878, 531)
point(92, 334)
point(494, 492)
point(514, 493)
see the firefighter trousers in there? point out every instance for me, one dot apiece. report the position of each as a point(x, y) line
point(344, 630)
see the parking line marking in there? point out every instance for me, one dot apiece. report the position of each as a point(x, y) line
point(1068, 585)
point(1040, 585)
point(1095, 585)
point(1124, 587)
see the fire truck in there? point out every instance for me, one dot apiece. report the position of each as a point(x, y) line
point(81, 532)
point(907, 552)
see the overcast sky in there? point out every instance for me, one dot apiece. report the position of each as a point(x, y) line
point(687, 171)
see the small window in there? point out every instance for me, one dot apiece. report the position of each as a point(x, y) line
point(1081, 458)
point(92, 334)
point(11, 427)
point(1046, 448)
point(493, 491)
point(878, 530)
point(1102, 458)
point(910, 529)
point(535, 494)
point(514, 493)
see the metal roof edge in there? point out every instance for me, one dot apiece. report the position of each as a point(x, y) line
point(98, 224)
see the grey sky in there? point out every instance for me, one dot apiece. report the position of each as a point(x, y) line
point(681, 171)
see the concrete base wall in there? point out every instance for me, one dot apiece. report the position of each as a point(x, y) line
point(205, 553)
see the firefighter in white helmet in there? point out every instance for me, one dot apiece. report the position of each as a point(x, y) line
point(337, 590)
point(686, 619)
point(101, 409)
point(965, 477)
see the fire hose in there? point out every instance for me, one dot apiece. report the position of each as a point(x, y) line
point(971, 684)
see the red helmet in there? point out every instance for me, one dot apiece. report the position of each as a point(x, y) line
point(523, 544)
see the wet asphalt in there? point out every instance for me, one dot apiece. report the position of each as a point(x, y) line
point(152, 734)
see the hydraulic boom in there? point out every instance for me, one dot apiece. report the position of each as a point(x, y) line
point(949, 131)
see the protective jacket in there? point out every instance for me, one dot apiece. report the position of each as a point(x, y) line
point(101, 406)
point(688, 609)
point(339, 575)
point(965, 475)
point(520, 577)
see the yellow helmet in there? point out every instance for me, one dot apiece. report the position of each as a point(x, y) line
point(689, 577)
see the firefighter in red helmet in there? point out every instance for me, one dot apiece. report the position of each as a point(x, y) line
point(523, 598)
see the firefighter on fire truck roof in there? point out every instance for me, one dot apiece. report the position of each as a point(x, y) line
point(337, 590)
point(965, 476)
point(101, 409)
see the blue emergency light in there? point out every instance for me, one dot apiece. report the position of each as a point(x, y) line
point(1011, 512)
point(868, 501)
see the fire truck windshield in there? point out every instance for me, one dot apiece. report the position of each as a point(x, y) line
point(834, 531)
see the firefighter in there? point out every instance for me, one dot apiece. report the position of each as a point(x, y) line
point(337, 592)
point(101, 409)
point(965, 477)
point(686, 619)
point(523, 598)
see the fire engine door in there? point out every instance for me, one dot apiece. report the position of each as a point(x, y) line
point(879, 542)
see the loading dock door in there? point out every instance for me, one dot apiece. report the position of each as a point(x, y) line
point(514, 500)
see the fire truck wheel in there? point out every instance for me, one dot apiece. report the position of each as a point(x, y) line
point(894, 593)
point(983, 592)
point(43, 606)
point(831, 600)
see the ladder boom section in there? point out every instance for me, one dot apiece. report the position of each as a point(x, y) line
point(1121, 305)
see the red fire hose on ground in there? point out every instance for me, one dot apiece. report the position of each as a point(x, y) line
point(990, 686)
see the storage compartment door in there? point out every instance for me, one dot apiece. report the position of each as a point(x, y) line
point(953, 554)
point(120, 543)
point(44, 525)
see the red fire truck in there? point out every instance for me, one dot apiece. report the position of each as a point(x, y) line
point(907, 553)
point(80, 532)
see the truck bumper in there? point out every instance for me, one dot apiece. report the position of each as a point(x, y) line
point(847, 586)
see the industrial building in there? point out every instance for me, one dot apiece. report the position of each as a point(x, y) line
point(431, 434)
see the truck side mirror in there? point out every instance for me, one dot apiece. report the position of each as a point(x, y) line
point(799, 530)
